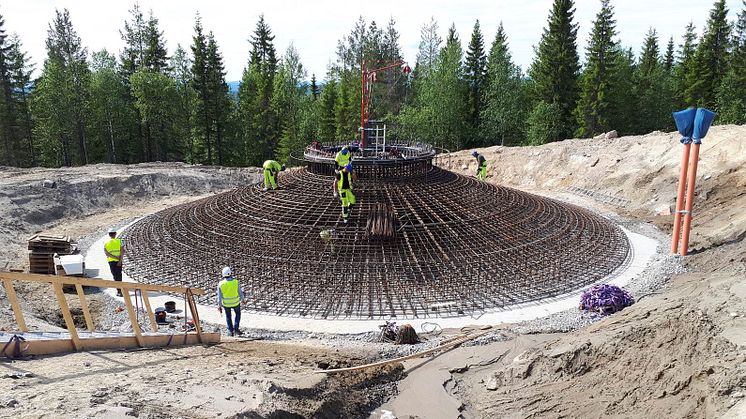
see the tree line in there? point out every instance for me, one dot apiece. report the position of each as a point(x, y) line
point(141, 104)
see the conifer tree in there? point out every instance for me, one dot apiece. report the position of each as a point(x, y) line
point(668, 60)
point(731, 98)
point(314, 87)
point(327, 128)
point(61, 95)
point(683, 74)
point(555, 69)
point(595, 106)
point(429, 47)
point(711, 59)
point(201, 84)
point(180, 67)
point(259, 123)
point(135, 43)
point(220, 102)
point(20, 76)
point(155, 57)
point(654, 108)
point(7, 114)
point(475, 75)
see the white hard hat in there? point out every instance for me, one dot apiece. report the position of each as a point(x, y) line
point(227, 272)
point(112, 230)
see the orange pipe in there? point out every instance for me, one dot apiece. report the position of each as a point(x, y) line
point(689, 199)
point(680, 200)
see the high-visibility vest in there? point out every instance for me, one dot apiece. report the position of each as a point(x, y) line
point(343, 159)
point(272, 165)
point(341, 180)
point(114, 246)
point(229, 293)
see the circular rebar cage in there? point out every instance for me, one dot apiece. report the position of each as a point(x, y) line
point(428, 244)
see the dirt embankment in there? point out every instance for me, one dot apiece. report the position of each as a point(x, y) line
point(636, 175)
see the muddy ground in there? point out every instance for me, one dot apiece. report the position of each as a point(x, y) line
point(679, 352)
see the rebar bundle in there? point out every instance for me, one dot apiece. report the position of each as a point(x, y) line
point(459, 246)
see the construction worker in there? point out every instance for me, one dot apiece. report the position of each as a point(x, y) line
point(343, 158)
point(271, 169)
point(230, 297)
point(343, 187)
point(481, 165)
point(114, 254)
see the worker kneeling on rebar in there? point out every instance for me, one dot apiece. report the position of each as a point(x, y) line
point(481, 165)
point(343, 185)
point(271, 169)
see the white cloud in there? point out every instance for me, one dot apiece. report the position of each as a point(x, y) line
point(316, 26)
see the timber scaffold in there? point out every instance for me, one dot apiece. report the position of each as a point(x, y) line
point(456, 246)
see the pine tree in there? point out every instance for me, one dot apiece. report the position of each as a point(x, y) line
point(683, 74)
point(7, 114)
point(260, 125)
point(220, 103)
point(314, 87)
point(653, 110)
point(201, 85)
point(476, 77)
point(731, 98)
point(505, 107)
point(555, 69)
point(668, 60)
point(180, 67)
point(327, 126)
point(20, 76)
point(595, 106)
point(622, 94)
point(156, 56)
point(62, 93)
point(135, 43)
point(711, 59)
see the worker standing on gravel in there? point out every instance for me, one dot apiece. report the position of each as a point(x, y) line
point(343, 187)
point(481, 165)
point(114, 254)
point(271, 169)
point(343, 158)
point(230, 297)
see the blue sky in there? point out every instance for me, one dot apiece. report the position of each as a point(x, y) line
point(314, 27)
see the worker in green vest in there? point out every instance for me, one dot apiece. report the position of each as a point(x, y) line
point(343, 187)
point(271, 169)
point(481, 165)
point(114, 254)
point(230, 298)
point(343, 157)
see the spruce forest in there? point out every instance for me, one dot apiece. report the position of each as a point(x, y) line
point(145, 103)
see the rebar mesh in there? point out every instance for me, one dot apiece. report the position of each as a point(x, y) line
point(461, 247)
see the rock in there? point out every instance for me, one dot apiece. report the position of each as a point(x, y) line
point(663, 210)
point(49, 184)
point(595, 162)
point(459, 370)
point(611, 134)
point(492, 383)
point(599, 137)
point(87, 364)
point(9, 403)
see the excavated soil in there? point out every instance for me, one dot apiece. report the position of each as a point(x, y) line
point(679, 352)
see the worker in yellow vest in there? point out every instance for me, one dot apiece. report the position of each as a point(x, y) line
point(230, 297)
point(343, 157)
point(114, 255)
point(343, 187)
point(271, 169)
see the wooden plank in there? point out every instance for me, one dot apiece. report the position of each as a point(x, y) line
point(99, 283)
point(11, 292)
point(55, 346)
point(151, 316)
point(133, 317)
point(195, 316)
point(84, 305)
point(67, 316)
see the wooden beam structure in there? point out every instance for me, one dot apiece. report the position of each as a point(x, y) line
point(75, 342)
point(14, 304)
